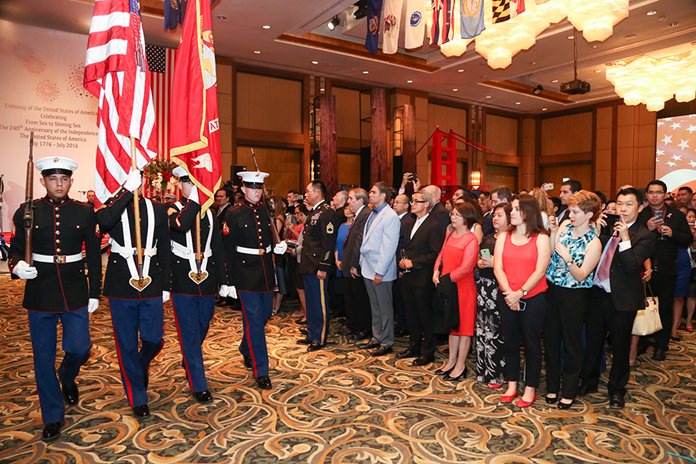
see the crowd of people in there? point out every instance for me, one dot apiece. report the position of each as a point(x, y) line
point(503, 276)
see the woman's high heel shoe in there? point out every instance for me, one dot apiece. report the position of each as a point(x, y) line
point(521, 403)
point(461, 376)
point(443, 372)
point(508, 398)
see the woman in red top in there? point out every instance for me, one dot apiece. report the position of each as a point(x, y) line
point(520, 261)
point(458, 258)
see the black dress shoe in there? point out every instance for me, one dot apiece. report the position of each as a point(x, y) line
point(263, 383)
point(659, 354)
point(203, 397)
point(52, 431)
point(551, 399)
point(586, 389)
point(381, 351)
point(304, 341)
point(141, 411)
point(407, 354)
point(314, 347)
point(422, 361)
point(71, 395)
point(461, 376)
point(562, 405)
point(247, 362)
point(369, 345)
point(616, 401)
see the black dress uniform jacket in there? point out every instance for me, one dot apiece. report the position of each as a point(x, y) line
point(249, 225)
point(60, 228)
point(180, 222)
point(318, 240)
point(117, 273)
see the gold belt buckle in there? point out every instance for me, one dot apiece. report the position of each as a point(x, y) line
point(262, 251)
point(59, 259)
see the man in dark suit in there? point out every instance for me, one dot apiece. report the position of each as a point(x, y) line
point(419, 244)
point(617, 296)
point(568, 188)
point(437, 210)
point(672, 232)
point(499, 196)
point(358, 304)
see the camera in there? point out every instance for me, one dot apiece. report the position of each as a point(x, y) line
point(413, 178)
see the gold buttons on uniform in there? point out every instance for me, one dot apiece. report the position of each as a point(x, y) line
point(57, 250)
point(57, 240)
point(57, 232)
point(57, 223)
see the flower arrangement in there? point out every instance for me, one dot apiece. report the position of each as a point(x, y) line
point(159, 175)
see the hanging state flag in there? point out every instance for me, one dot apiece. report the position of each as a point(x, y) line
point(391, 25)
point(501, 10)
point(436, 21)
point(116, 72)
point(194, 127)
point(448, 21)
point(415, 23)
point(472, 18)
point(374, 8)
point(516, 7)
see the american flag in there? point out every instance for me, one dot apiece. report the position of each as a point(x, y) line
point(675, 157)
point(161, 63)
point(116, 72)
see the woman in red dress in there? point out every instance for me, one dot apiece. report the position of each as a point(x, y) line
point(458, 259)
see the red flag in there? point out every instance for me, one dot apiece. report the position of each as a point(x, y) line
point(116, 72)
point(194, 128)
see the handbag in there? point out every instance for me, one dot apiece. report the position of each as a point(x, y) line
point(445, 303)
point(647, 320)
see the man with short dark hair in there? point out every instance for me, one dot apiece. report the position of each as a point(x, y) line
point(499, 195)
point(684, 195)
point(672, 232)
point(378, 267)
point(617, 296)
point(568, 187)
point(484, 201)
point(316, 262)
point(57, 287)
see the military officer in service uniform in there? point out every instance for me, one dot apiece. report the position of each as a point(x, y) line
point(248, 241)
point(195, 281)
point(136, 296)
point(58, 286)
point(318, 243)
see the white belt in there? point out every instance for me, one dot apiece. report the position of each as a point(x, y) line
point(130, 251)
point(184, 252)
point(254, 251)
point(58, 259)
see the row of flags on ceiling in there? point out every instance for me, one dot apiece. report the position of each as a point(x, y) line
point(438, 20)
point(117, 73)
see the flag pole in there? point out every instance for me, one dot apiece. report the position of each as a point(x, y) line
point(199, 255)
point(136, 214)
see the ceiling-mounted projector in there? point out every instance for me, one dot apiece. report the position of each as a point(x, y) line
point(575, 87)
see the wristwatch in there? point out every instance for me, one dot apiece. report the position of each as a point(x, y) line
point(524, 292)
point(570, 262)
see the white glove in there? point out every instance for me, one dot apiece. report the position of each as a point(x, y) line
point(280, 248)
point(92, 305)
point(228, 291)
point(24, 271)
point(133, 181)
point(193, 196)
point(165, 296)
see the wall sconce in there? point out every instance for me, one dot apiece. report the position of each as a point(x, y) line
point(398, 131)
point(475, 180)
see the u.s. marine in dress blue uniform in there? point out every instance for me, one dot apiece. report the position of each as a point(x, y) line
point(248, 242)
point(136, 311)
point(194, 289)
point(58, 286)
point(316, 262)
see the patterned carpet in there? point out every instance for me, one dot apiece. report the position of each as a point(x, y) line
point(337, 406)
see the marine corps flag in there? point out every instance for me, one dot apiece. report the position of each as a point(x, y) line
point(194, 128)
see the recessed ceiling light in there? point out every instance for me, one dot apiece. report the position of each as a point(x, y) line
point(410, 81)
point(455, 90)
point(674, 24)
point(322, 89)
point(222, 17)
point(266, 26)
point(544, 109)
point(489, 96)
point(555, 81)
point(315, 62)
point(518, 103)
point(598, 71)
point(366, 72)
point(460, 70)
point(258, 52)
point(651, 13)
point(571, 37)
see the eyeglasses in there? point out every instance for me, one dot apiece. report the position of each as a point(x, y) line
point(655, 192)
point(418, 201)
